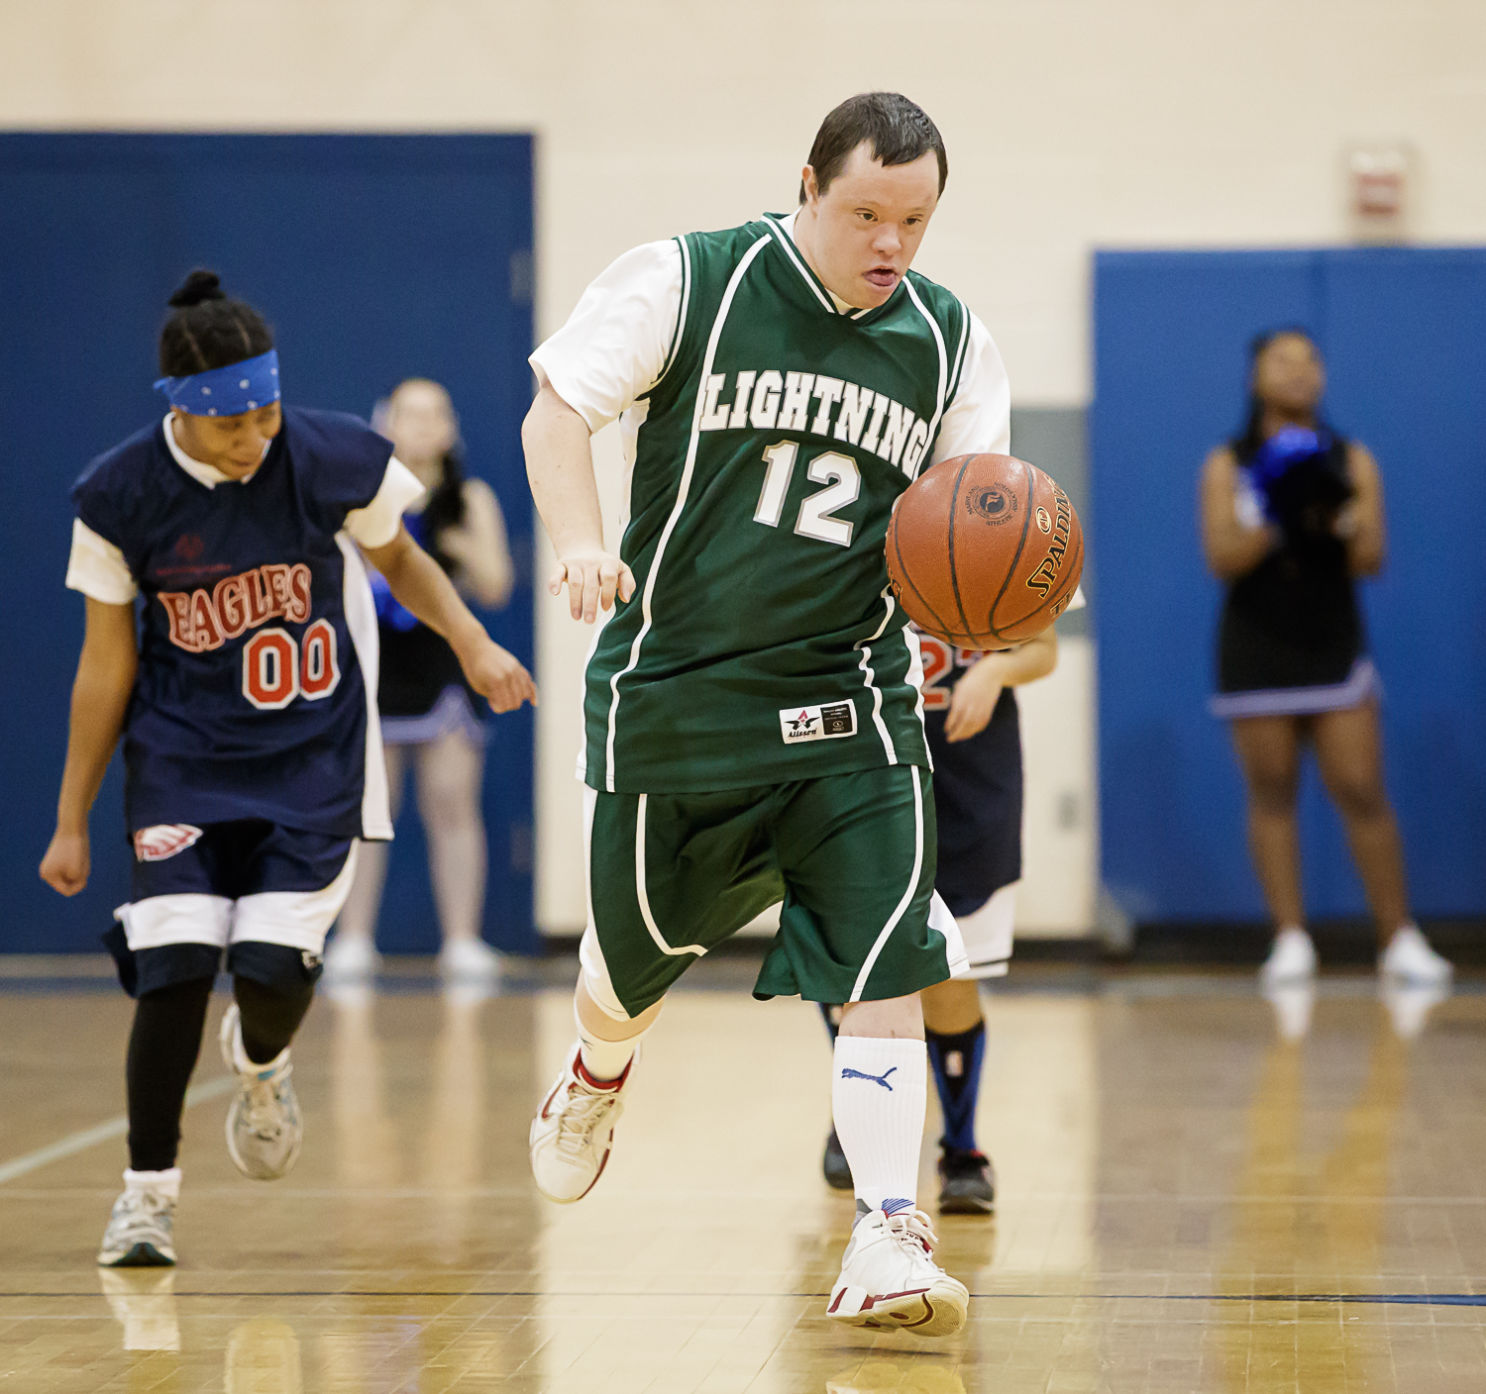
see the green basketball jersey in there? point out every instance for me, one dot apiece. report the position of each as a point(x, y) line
point(763, 643)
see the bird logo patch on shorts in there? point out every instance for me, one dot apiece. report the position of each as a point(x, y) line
point(800, 724)
point(164, 840)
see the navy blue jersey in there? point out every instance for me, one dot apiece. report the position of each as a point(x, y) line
point(977, 786)
point(258, 640)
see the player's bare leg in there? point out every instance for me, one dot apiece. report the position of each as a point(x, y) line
point(955, 1033)
point(1269, 749)
point(878, 1094)
point(573, 1132)
point(1349, 751)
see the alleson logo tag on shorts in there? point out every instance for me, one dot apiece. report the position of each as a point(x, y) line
point(800, 724)
point(163, 841)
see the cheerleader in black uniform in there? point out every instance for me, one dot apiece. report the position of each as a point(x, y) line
point(1292, 514)
point(432, 723)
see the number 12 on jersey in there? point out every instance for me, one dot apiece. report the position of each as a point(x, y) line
point(816, 518)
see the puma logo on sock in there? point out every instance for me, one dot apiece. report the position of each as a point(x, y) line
point(848, 1073)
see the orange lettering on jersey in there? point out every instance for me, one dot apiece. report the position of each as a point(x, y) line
point(207, 619)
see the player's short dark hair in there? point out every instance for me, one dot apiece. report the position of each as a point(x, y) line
point(899, 132)
point(208, 329)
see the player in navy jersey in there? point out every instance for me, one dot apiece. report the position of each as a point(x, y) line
point(974, 735)
point(231, 640)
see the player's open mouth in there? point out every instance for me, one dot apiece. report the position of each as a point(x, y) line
point(883, 277)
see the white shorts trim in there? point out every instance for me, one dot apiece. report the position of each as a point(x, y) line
point(989, 934)
point(1362, 685)
point(295, 919)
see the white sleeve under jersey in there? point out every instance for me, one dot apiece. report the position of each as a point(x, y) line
point(97, 568)
point(616, 342)
point(978, 418)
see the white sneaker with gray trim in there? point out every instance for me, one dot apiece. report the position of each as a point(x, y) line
point(573, 1132)
point(1291, 960)
point(1409, 959)
point(141, 1230)
point(889, 1279)
point(264, 1130)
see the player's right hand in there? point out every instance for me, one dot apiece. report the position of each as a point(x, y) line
point(66, 864)
point(593, 580)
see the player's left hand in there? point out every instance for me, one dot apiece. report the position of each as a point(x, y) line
point(498, 676)
point(973, 700)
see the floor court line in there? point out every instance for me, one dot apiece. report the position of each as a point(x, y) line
point(90, 1137)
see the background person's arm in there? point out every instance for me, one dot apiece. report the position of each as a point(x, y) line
point(1232, 547)
point(1361, 521)
point(106, 670)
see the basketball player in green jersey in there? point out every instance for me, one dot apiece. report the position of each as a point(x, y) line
point(752, 713)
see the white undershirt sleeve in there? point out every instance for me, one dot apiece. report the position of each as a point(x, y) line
point(978, 419)
point(615, 344)
point(377, 523)
point(97, 568)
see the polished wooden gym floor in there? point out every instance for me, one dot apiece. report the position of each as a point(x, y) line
point(1193, 1196)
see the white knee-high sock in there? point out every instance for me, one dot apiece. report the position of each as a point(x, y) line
point(878, 1095)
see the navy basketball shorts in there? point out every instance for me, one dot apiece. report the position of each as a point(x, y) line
point(228, 887)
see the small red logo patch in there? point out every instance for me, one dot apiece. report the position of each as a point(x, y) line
point(163, 840)
point(189, 547)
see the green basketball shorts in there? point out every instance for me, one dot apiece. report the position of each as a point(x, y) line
point(851, 856)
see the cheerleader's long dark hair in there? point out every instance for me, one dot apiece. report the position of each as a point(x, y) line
point(1251, 435)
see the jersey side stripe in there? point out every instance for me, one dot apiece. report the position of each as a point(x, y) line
point(782, 237)
point(860, 985)
point(361, 621)
point(943, 367)
point(682, 489)
point(680, 315)
point(643, 895)
point(959, 368)
point(865, 647)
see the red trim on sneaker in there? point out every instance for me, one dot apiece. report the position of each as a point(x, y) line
point(607, 1086)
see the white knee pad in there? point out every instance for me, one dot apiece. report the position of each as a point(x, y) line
point(594, 975)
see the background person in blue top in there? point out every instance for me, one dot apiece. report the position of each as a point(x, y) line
point(431, 719)
point(1292, 515)
point(231, 639)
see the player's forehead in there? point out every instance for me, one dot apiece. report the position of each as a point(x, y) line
point(905, 188)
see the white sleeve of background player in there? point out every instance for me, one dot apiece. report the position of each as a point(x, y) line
point(97, 568)
point(376, 524)
point(616, 342)
point(978, 419)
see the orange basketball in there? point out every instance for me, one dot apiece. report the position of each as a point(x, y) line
point(984, 551)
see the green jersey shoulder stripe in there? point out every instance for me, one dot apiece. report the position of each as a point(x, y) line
point(680, 314)
point(959, 364)
point(647, 595)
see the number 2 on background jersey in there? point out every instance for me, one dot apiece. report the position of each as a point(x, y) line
point(838, 472)
point(276, 670)
point(940, 660)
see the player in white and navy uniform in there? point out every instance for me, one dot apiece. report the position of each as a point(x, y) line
point(231, 640)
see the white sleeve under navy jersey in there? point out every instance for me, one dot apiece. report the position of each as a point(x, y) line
point(256, 693)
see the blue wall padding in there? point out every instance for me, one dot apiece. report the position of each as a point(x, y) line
point(374, 257)
point(1404, 335)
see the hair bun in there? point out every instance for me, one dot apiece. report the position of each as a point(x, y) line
point(198, 286)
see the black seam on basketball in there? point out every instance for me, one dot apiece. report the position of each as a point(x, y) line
point(1020, 548)
point(1055, 595)
point(954, 513)
point(903, 572)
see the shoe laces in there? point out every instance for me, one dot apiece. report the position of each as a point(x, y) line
point(912, 1230)
point(582, 1112)
point(135, 1207)
point(264, 1115)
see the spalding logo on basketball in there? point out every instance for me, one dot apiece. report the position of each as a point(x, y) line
point(962, 574)
point(993, 504)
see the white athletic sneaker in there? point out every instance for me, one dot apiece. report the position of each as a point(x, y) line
point(349, 960)
point(1409, 958)
point(889, 1278)
point(264, 1130)
point(574, 1130)
point(141, 1230)
point(469, 961)
point(1292, 959)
